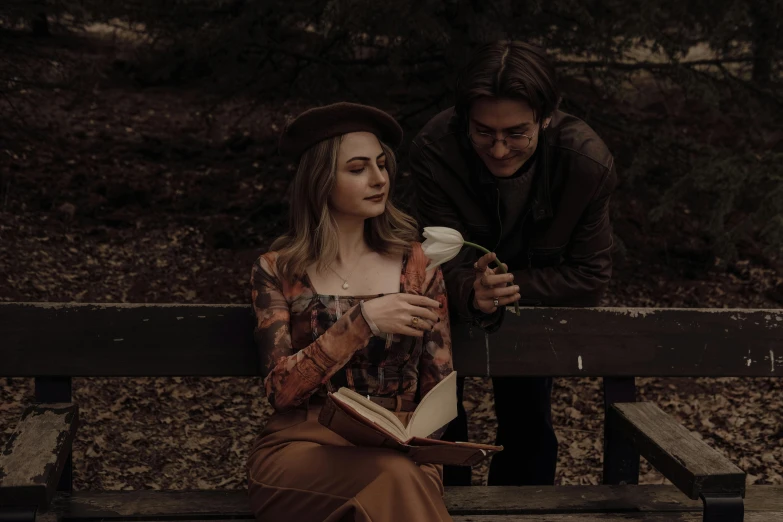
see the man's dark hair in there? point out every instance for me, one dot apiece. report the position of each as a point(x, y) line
point(509, 69)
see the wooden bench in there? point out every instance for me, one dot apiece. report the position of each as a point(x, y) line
point(55, 342)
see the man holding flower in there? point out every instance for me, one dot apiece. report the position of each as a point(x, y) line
point(508, 171)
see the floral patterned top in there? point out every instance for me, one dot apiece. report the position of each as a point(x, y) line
point(312, 343)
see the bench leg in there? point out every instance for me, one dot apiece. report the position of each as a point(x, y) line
point(621, 458)
point(57, 389)
point(723, 509)
point(17, 514)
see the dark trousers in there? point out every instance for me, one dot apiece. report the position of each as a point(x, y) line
point(523, 406)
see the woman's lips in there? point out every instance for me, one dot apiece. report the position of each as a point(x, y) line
point(376, 199)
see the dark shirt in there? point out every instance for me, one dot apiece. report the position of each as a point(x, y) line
point(514, 193)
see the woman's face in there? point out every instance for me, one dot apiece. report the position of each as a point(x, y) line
point(362, 182)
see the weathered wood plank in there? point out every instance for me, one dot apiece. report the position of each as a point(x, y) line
point(145, 503)
point(541, 499)
point(544, 517)
point(57, 389)
point(35, 454)
point(127, 340)
point(165, 340)
point(688, 462)
point(474, 500)
point(621, 457)
point(609, 517)
point(647, 498)
point(625, 342)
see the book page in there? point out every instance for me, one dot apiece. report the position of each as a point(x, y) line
point(436, 409)
point(372, 412)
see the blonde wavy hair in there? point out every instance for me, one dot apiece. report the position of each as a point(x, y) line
point(312, 232)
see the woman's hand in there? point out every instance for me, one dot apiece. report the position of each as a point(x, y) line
point(404, 314)
point(491, 290)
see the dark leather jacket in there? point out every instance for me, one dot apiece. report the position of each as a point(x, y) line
point(566, 234)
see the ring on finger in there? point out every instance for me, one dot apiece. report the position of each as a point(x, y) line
point(476, 268)
point(414, 321)
point(495, 302)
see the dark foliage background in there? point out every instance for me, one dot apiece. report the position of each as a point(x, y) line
point(138, 164)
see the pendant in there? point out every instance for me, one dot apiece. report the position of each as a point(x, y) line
point(345, 285)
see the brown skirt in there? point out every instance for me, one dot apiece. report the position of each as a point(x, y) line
point(300, 471)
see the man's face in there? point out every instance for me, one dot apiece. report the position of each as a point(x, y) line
point(501, 118)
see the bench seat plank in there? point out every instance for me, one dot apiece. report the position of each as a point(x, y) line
point(36, 453)
point(565, 499)
point(612, 517)
point(472, 500)
point(542, 517)
point(687, 461)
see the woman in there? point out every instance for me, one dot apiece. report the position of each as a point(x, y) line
point(344, 299)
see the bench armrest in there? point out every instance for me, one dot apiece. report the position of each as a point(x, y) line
point(33, 458)
point(688, 462)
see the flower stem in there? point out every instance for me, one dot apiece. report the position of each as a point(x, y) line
point(497, 262)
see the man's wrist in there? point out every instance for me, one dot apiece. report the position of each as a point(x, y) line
point(472, 299)
point(474, 310)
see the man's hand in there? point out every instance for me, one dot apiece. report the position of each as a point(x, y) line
point(491, 290)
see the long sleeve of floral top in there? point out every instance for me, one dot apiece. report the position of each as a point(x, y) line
point(291, 376)
point(307, 340)
point(435, 362)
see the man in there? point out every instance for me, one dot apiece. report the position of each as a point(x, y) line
point(519, 177)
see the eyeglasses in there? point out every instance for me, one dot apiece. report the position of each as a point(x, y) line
point(484, 140)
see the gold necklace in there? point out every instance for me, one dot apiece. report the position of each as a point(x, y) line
point(345, 279)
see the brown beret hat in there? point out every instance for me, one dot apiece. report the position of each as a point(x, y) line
point(321, 123)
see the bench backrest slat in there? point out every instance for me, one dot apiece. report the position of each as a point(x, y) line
point(40, 339)
point(625, 342)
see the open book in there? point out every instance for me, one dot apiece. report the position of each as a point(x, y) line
point(364, 423)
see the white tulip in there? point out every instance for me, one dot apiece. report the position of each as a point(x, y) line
point(442, 244)
point(445, 234)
